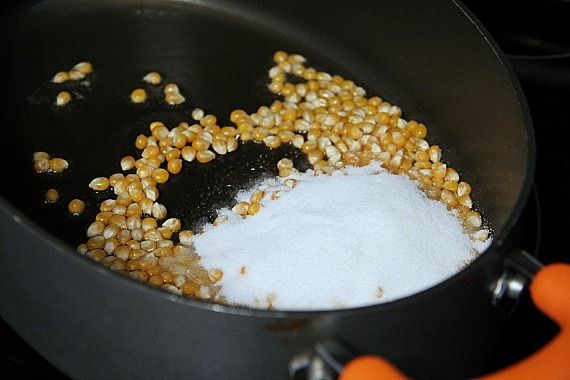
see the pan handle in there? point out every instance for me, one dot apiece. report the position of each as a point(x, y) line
point(550, 292)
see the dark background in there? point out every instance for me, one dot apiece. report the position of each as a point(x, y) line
point(534, 36)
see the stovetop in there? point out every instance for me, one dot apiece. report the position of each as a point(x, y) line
point(531, 33)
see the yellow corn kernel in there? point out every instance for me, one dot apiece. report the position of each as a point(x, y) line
point(156, 280)
point(465, 200)
point(197, 114)
point(314, 156)
point(133, 222)
point(190, 289)
point(60, 77)
point(138, 95)
point(179, 140)
point(149, 223)
point(188, 153)
point(58, 165)
point(160, 175)
point(205, 156)
point(463, 188)
point(96, 254)
point(95, 229)
point(52, 196)
point(257, 196)
point(284, 163)
point(208, 120)
point(165, 232)
point(438, 170)
point(434, 153)
point(63, 98)
point(450, 185)
point(253, 208)
point(99, 184)
point(84, 67)
point(172, 154)
point(150, 151)
point(127, 163)
point(451, 175)
point(107, 205)
point(120, 186)
point(174, 166)
point(173, 224)
point(104, 217)
point(141, 142)
point(473, 218)
point(353, 132)
point(448, 198)
point(153, 78)
point(280, 56)
point(241, 208)
point(231, 144)
point(219, 147)
point(291, 183)
point(76, 207)
point(199, 144)
point(420, 131)
point(286, 172)
point(133, 210)
point(158, 211)
point(75, 74)
point(82, 249)
point(185, 237)
point(136, 195)
point(215, 275)
point(146, 206)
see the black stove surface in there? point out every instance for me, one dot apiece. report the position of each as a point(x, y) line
point(532, 36)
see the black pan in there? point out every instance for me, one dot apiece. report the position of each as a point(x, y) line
point(430, 57)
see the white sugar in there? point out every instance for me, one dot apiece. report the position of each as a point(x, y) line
point(358, 237)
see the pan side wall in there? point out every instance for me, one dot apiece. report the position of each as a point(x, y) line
point(91, 324)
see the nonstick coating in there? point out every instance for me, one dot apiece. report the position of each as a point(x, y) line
point(426, 57)
point(221, 63)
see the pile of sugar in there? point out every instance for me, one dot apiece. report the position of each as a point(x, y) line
point(358, 237)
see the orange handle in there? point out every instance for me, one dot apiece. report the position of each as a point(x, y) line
point(550, 292)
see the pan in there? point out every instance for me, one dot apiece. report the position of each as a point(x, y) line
point(432, 58)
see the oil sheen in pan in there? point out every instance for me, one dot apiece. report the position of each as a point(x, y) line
point(199, 47)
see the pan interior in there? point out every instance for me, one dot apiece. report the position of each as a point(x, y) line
point(219, 56)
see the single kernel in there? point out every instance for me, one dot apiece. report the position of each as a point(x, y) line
point(215, 274)
point(253, 208)
point(58, 165)
point(205, 156)
point(197, 114)
point(52, 196)
point(138, 96)
point(153, 77)
point(241, 208)
point(160, 175)
point(99, 184)
point(62, 98)
point(84, 67)
point(41, 166)
point(141, 142)
point(60, 77)
point(127, 163)
point(76, 207)
point(76, 74)
point(41, 156)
